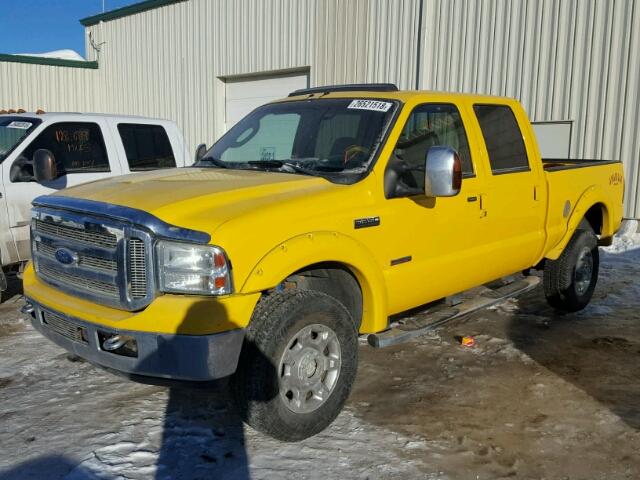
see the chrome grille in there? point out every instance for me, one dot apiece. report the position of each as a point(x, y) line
point(64, 327)
point(105, 261)
point(80, 282)
point(137, 268)
point(84, 260)
point(103, 239)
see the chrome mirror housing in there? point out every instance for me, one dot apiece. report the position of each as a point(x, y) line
point(442, 173)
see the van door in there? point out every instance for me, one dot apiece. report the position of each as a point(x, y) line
point(514, 200)
point(81, 156)
point(434, 243)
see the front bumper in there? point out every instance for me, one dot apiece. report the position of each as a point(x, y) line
point(176, 357)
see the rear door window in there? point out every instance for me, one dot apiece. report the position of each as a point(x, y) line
point(78, 147)
point(503, 138)
point(147, 147)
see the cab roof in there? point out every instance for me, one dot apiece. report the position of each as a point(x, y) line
point(79, 115)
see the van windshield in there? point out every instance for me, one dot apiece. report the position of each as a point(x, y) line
point(14, 130)
point(325, 137)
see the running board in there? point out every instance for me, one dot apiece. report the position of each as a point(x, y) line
point(422, 323)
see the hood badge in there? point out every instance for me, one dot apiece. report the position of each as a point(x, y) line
point(366, 222)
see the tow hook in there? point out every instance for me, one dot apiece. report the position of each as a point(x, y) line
point(27, 309)
point(113, 343)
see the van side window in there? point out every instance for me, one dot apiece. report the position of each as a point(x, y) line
point(78, 147)
point(147, 146)
point(429, 125)
point(503, 138)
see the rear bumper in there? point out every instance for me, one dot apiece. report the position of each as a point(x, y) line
point(176, 357)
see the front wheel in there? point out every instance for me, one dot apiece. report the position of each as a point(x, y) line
point(298, 364)
point(570, 280)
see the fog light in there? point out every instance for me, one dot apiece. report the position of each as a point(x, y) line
point(119, 344)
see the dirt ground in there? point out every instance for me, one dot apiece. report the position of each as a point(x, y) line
point(541, 395)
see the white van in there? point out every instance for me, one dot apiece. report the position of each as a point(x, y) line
point(85, 147)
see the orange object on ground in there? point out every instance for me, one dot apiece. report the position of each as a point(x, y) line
point(467, 341)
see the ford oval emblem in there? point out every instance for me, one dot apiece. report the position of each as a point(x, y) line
point(66, 257)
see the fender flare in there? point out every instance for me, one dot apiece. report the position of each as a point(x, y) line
point(594, 195)
point(313, 248)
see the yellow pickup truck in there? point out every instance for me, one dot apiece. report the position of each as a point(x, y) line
point(314, 219)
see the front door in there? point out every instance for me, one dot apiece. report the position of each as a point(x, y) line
point(81, 156)
point(436, 245)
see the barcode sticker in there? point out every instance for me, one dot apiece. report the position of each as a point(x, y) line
point(375, 105)
point(20, 125)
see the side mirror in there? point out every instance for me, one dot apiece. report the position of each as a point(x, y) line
point(44, 166)
point(442, 173)
point(200, 151)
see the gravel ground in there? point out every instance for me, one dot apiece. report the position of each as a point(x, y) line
point(540, 395)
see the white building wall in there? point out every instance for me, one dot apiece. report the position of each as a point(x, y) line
point(47, 87)
point(571, 60)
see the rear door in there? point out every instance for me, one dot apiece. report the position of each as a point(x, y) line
point(81, 153)
point(145, 146)
point(514, 198)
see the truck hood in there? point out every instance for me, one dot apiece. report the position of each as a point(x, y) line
point(199, 198)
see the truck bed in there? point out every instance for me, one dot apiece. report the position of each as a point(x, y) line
point(568, 180)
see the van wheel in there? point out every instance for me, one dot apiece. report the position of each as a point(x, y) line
point(570, 280)
point(298, 364)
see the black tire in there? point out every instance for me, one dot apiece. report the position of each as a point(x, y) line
point(569, 289)
point(276, 322)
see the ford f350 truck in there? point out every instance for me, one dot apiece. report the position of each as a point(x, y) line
point(314, 219)
point(85, 147)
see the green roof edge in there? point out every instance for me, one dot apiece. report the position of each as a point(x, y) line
point(126, 11)
point(56, 62)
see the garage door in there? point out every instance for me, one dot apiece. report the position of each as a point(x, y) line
point(243, 95)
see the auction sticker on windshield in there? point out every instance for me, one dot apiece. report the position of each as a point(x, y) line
point(20, 125)
point(375, 105)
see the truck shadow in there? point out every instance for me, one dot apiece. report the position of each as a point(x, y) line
point(203, 433)
point(597, 349)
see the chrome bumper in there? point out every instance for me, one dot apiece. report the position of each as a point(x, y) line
point(176, 357)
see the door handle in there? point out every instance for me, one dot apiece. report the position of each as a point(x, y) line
point(483, 211)
point(472, 199)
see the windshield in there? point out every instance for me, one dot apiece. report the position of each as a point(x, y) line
point(12, 131)
point(314, 137)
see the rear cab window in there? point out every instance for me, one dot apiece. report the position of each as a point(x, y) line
point(78, 147)
point(146, 146)
point(503, 139)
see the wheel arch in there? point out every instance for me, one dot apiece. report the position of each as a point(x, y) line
point(592, 208)
point(302, 255)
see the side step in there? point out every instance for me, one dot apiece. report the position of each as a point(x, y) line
point(422, 323)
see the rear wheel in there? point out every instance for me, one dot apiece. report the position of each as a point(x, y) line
point(297, 365)
point(570, 280)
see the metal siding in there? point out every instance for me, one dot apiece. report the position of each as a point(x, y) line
point(563, 59)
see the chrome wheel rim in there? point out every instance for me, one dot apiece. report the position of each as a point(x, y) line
point(309, 368)
point(584, 271)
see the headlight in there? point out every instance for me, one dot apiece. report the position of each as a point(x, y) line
point(186, 268)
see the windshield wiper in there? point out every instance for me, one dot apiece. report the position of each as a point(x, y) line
point(280, 164)
point(217, 162)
